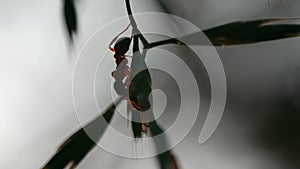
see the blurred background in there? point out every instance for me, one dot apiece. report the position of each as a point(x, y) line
point(260, 126)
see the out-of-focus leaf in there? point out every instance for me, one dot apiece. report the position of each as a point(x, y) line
point(238, 33)
point(76, 147)
point(70, 17)
point(72, 150)
point(245, 32)
point(136, 126)
point(139, 90)
point(166, 160)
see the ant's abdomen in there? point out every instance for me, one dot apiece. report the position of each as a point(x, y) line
point(140, 89)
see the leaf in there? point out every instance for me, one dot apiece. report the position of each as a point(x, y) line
point(136, 126)
point(166, 160)
point(245, 32)
point(76, 147)
point(139, 90)
point(238, 33)
point(70, 18)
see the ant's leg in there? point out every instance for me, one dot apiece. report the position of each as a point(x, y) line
point(133, 104)
point(113, 73)
point(120, 88)
point(127, 75)
point(143, 120)
point(128, 56)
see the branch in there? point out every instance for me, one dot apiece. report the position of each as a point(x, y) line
point(134, 25)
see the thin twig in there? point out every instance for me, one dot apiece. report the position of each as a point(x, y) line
point(134, 25)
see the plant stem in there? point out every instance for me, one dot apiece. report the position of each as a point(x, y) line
point(134, 25)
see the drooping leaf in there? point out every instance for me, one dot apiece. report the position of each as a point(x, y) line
point(70, 17)
point(136, 126)
point(76, 147)
point(72, 150)
point(139, 90)
point(238, 33)
point(166, 160)
point(245, 32)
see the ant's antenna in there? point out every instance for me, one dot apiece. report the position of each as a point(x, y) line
point(116, 38)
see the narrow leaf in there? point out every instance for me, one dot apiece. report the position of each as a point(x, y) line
point(166, 160)
point(76, 147)
point(238, 33)
point(245, 32)
point(136, 126)
point(70, 18)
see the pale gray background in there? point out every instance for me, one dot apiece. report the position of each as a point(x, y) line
point(36, 106)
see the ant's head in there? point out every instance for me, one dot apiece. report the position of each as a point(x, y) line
point(122, 46)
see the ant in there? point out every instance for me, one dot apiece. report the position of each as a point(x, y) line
point(121, 47)
point(123, 71)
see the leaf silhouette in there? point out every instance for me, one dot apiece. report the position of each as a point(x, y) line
point(76, 147)
point(239, 33)
point(166, 160)
point(70, 18)
point(139, 90)
point(136, 126)
point(245, 32)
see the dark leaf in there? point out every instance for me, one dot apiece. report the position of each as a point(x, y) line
point(136, 126)
point(238, 33)
point(167, 159)
point(139, 90)
point(70, 18)
point(246, 32)
point(76, 147)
